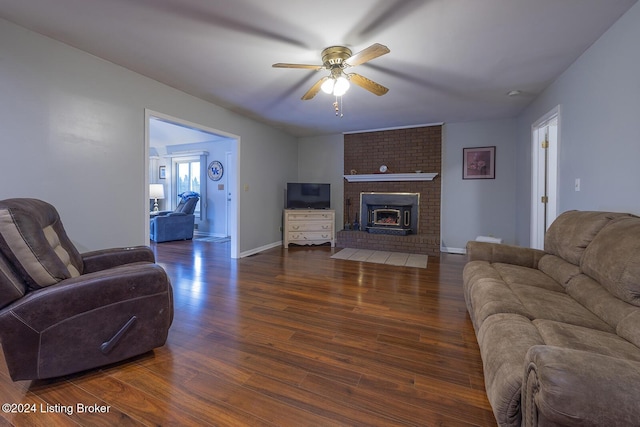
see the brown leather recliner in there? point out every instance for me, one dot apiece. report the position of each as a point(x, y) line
point(63, 312)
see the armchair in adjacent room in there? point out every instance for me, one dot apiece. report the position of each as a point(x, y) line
point(178, 224)
point(63, 312)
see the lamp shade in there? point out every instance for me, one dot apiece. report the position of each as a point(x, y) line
point(156, 191)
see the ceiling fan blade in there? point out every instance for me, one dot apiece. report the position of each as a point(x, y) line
point(314, 89)
point(304, 66)
point(367, 54)
point(367, 84)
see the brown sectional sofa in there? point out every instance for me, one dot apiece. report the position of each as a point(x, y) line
point(559, 329)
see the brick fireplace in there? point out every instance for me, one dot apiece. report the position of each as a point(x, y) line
point(402, 151)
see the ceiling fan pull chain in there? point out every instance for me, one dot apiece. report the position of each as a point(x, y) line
point(338, 106)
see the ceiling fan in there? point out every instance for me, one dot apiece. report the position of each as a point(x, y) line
point(336, 59)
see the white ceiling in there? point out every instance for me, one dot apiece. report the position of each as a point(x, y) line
point(163, 133)
point(450, 60)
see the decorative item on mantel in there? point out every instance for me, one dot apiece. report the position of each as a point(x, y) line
point(417, 176)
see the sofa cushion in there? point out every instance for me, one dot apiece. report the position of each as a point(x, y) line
point(572, 231)
point(629, 327)
point(33, 239)
point(486, 293)
point(585, 339)
point(558, 269)
point(613, 259)
point(558, 306)
point(598, 300)
point(517, 275)
point(493, 297)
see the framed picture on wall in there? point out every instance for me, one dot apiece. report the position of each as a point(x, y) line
point(162, 172)
point(479, 163)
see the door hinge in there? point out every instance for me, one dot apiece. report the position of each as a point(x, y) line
point(544, 199)
point(545, 144)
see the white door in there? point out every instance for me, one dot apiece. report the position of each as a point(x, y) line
point(227, 186)
point(544, 203)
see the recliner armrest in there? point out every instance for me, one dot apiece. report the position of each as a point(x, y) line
point(579, 388)
point(508, 254)
point(108, 258)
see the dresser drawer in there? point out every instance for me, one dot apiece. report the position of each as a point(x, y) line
point(310, 226)
point(309, 236)
point(313, 216)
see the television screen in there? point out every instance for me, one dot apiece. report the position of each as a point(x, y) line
point(301, 195)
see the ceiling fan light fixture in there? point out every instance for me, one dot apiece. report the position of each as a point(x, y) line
point(327, 86)
point(341, 86)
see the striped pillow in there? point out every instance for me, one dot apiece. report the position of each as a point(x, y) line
point(33, 239)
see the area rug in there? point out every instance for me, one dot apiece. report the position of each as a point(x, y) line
point(382, 257)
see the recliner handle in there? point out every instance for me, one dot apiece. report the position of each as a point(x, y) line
point(107, 346)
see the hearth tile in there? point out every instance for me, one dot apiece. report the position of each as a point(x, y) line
point(417, 260)
point(362, 255)
point(346, 253)
point(380, 257)
point(397, 258)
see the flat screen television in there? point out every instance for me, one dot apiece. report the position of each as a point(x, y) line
point(303, 195)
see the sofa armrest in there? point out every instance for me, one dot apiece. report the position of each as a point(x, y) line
point(509, 254)
point(579, 388)
point(108, 258)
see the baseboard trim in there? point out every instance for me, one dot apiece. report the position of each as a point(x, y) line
point(260, 249)
point(461, 251)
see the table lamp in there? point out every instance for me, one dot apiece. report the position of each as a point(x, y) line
point(156, 191)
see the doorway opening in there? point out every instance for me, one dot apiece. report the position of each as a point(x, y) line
point(545, 143)
point(173, 146)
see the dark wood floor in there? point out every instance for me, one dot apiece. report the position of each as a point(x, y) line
point(289, 338)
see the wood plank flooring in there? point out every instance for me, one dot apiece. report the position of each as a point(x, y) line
point(286, 338)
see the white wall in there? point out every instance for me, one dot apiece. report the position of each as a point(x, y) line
point(478, 206)
point(73, 134)
point(599, 98)
point(321, 159)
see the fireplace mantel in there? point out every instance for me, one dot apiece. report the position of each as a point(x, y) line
point(391, 177)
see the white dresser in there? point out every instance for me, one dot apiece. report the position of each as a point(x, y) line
point(309, 227)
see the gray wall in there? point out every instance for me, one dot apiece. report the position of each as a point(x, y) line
point(599, 98)
point(73, 134)
point(321, 159)
point(474, 207)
